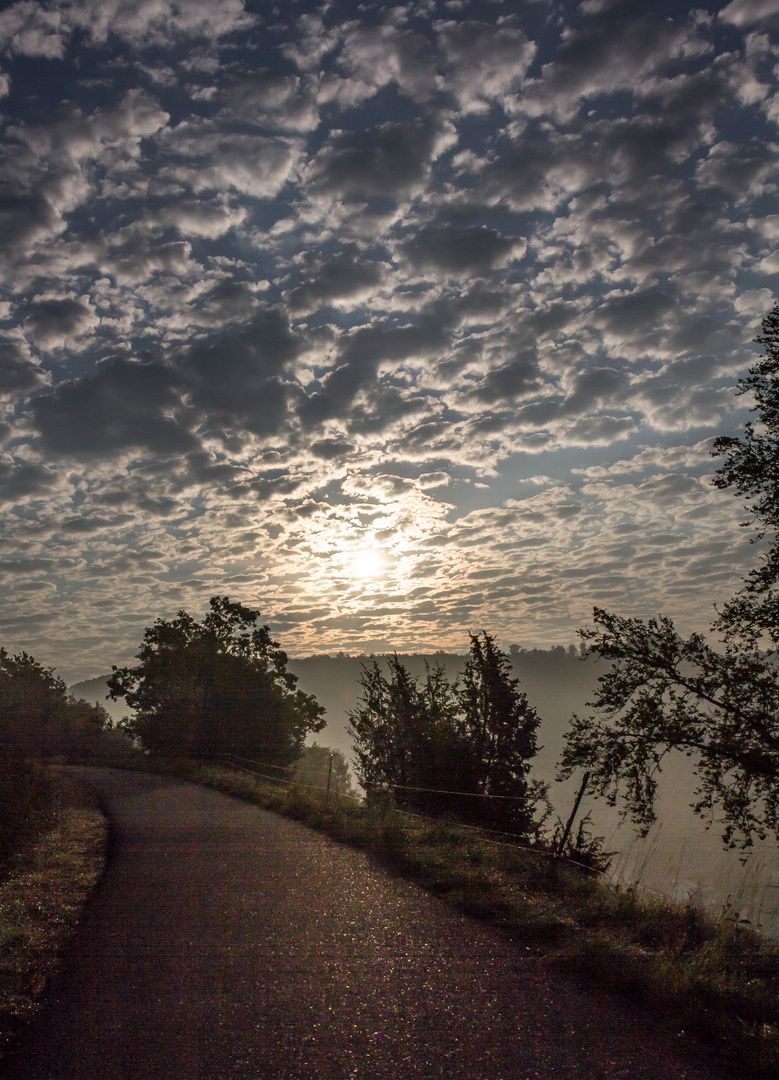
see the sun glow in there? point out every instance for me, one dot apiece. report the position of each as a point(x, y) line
point(367, 563)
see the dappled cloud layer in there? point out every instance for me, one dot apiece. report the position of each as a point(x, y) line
point(394, 321)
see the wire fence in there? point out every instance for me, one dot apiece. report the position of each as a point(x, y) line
point(487, 835)
point(750, 891)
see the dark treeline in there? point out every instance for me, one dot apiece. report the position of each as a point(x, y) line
point(39, 723)
point(461, 747)
point(557, 683)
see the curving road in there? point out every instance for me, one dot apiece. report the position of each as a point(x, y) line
point(225, 942)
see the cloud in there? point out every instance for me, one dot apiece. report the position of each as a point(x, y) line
point(18, 373)
point(132, 257)
point(124, 406)
point(434, 480)
point(483, 61)
point(608, 54)
point(332, 449)
point(737, 169)
point(29, 29)
point(461, 252)
point(22, 481)
point(277, 101)
point(27, 216)
point(375, 55)
point(236, 381)
point(359, 356)
point(74, 136)
point(749, 13)
point(55, 323)
point(195, 217)
point(227, 302)
point(633, 316)
point(205, 158)
point(520, 378)
point(44, 29)
point(345, 279)
point(391, 160)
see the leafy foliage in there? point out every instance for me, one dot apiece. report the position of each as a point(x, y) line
point(751, 469)
point(215, 687)
point(468, 745)
point(37, 717)
point(664, 693)
point(38, 721)
point(32, 704)
point(317, 763)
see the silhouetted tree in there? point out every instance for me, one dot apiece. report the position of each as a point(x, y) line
point(467, 745)
point(38, 722)
point(36, 713)
point(664, 693)
point(751, 469)
point(498, 725)
point(215, 687)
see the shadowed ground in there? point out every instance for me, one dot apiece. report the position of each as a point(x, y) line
point(227, 942)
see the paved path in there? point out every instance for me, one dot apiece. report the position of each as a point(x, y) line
point(225, 942)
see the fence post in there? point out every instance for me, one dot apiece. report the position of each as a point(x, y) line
point(569, 823)
point(329, 774)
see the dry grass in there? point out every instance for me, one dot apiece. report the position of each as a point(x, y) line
point(715, 978)
point(41, 899)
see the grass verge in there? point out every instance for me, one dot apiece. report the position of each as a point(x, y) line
point(715, 978)
point(41, 898)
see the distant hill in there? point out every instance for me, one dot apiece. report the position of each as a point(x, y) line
point(96, 690)
point(680, 857)
point(556, 682)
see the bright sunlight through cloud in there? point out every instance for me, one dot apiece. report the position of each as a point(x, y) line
point(367, 563)
point(392, 320)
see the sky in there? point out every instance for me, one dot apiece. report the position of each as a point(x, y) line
point(394, 321)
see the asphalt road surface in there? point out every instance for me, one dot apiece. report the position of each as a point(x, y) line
point(225, 942)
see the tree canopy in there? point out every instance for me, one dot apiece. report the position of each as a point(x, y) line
point(462, 748)
point(37, 716)
point(667, 693)
point(220, 686)
point(720, 707)
point(751, 469)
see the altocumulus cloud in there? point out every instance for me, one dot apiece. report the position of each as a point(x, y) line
point(463, 286)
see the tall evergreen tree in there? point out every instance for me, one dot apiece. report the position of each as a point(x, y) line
point(499, 726)
point(459, 749)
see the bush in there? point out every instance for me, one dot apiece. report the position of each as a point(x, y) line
point(29, 803)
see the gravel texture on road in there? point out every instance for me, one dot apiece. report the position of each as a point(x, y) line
point(225, 942)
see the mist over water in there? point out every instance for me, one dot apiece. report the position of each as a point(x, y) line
point(680, 857)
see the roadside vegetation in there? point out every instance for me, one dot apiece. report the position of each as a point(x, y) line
point(712, 977)
point(43, 889)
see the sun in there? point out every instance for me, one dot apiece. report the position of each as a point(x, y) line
point(367, 563)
